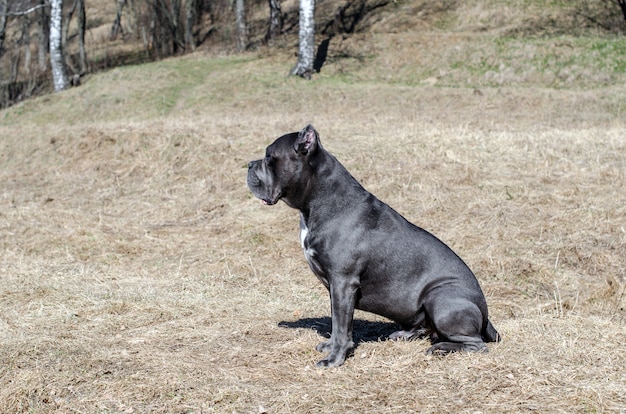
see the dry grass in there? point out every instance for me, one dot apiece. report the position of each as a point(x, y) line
point(139, 275)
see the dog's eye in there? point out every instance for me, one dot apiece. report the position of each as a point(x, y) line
point(269, 160)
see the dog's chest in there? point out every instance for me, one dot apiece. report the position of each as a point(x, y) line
point(310, 254)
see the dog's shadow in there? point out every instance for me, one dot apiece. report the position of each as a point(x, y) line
point(363, 331)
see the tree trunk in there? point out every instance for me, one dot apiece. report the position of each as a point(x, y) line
point(242, 28)
point(66, 24)
point(16, 57)
point(42, 37)
point(116, 28)
point(133, 27)
point(622, 6)
point(276, 20)
point(56, 51)
point(178, 42)
point(82, 24)
point(306, 51)
point(26, 43)
point(151, 43)
point(3, 23)
point(190, 20)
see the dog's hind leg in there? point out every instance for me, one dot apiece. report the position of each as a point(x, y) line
point(442, 348)
point(458, 326)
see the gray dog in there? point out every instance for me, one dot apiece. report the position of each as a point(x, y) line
point(368, 256)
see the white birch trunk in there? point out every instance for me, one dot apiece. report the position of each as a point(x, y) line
point(242, 27)
point(306, 50)
point(56, 53)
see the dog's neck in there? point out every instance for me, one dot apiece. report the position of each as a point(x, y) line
point(329, 179)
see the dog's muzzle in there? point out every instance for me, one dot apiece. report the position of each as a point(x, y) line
point(260, 189)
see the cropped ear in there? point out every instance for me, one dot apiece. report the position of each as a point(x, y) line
point(307, 140)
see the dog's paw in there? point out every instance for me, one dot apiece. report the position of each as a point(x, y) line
point(324, 346)
point(330, 362)
point(417, 333)
point(444, 348)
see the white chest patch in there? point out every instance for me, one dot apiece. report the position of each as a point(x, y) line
point(308, 252)
point(304, 231)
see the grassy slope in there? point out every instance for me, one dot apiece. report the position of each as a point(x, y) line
point(140, 276)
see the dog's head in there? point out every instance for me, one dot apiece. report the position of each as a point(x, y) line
point(286, 168)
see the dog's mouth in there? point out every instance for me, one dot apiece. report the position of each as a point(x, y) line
point(271, 201)
point(261, 189)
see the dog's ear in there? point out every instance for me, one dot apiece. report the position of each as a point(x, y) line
point(307, 140)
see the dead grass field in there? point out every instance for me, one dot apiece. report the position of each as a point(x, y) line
point(140, 276)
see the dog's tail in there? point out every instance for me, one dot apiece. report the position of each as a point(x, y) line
point(490, 333)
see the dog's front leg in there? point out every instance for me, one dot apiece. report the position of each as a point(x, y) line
point(343, 292)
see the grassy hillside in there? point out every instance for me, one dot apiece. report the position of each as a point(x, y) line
point(140, 275)
point(485, 45)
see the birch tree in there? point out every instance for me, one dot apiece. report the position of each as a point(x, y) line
point(306, 48)
point(242, 27)
point(276, 20)
point(56, 51)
